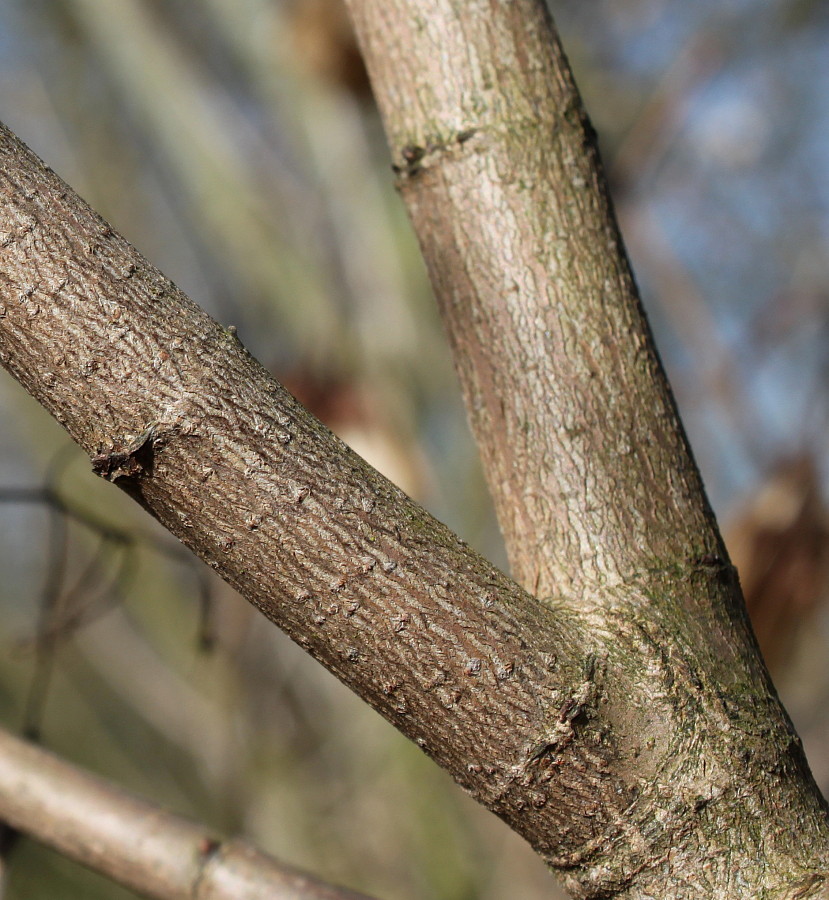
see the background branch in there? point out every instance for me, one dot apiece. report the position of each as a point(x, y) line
point(134, 842)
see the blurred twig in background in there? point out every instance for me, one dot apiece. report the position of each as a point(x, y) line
point(135, 843)
point(68, 600)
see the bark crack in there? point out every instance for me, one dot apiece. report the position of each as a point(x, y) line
point(416, 158)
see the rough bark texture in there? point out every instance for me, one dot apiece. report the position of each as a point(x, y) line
point(172, 409)
point(597, 493)
point(498, 165)
point(135, 843)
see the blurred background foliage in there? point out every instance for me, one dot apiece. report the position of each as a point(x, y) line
point(235, 142)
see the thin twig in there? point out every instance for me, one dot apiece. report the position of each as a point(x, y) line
point(49, 611)
point(135, 843)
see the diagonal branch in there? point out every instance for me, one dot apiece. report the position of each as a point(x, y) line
point(134, 842)
point(172, 408)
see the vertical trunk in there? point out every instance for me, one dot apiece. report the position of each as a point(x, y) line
point(597, 494)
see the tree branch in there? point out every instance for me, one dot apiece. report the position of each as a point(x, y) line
point(134, 842)
point(499, 168)
point(172, 409)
